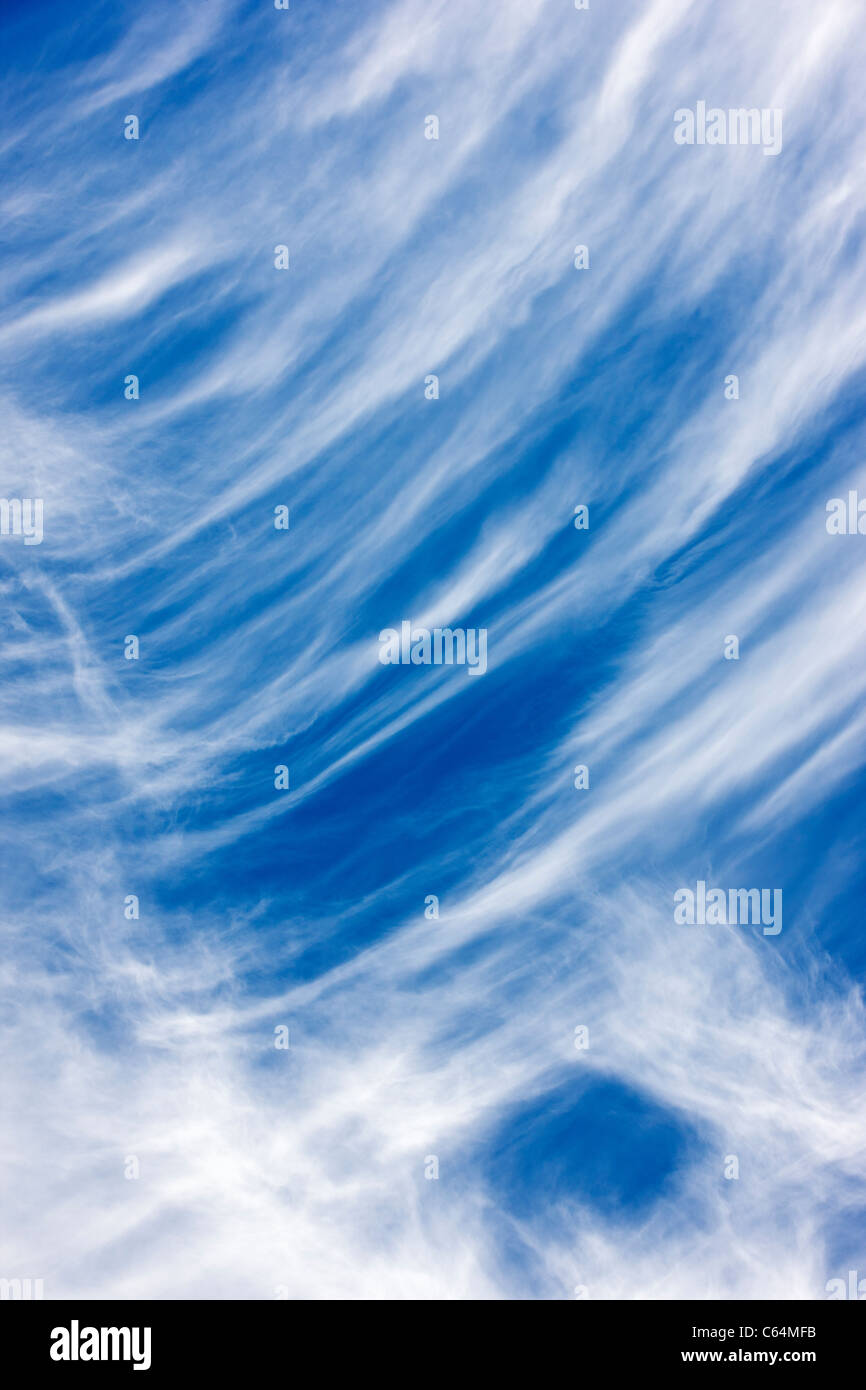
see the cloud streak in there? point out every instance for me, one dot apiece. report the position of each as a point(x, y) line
point(300, 1173)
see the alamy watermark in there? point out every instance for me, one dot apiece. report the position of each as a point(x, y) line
point(737, 126)
point(729, 907)
point(438, 646)
point(846, 517)
point(21, 1289)
point(22, 516)
point(853, 1288)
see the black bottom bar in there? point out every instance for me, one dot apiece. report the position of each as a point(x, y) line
point(222, 1338)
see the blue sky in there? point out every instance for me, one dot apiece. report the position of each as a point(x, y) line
point(300, 1172)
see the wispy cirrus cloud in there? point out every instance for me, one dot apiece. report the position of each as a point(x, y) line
point(301, 1172)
